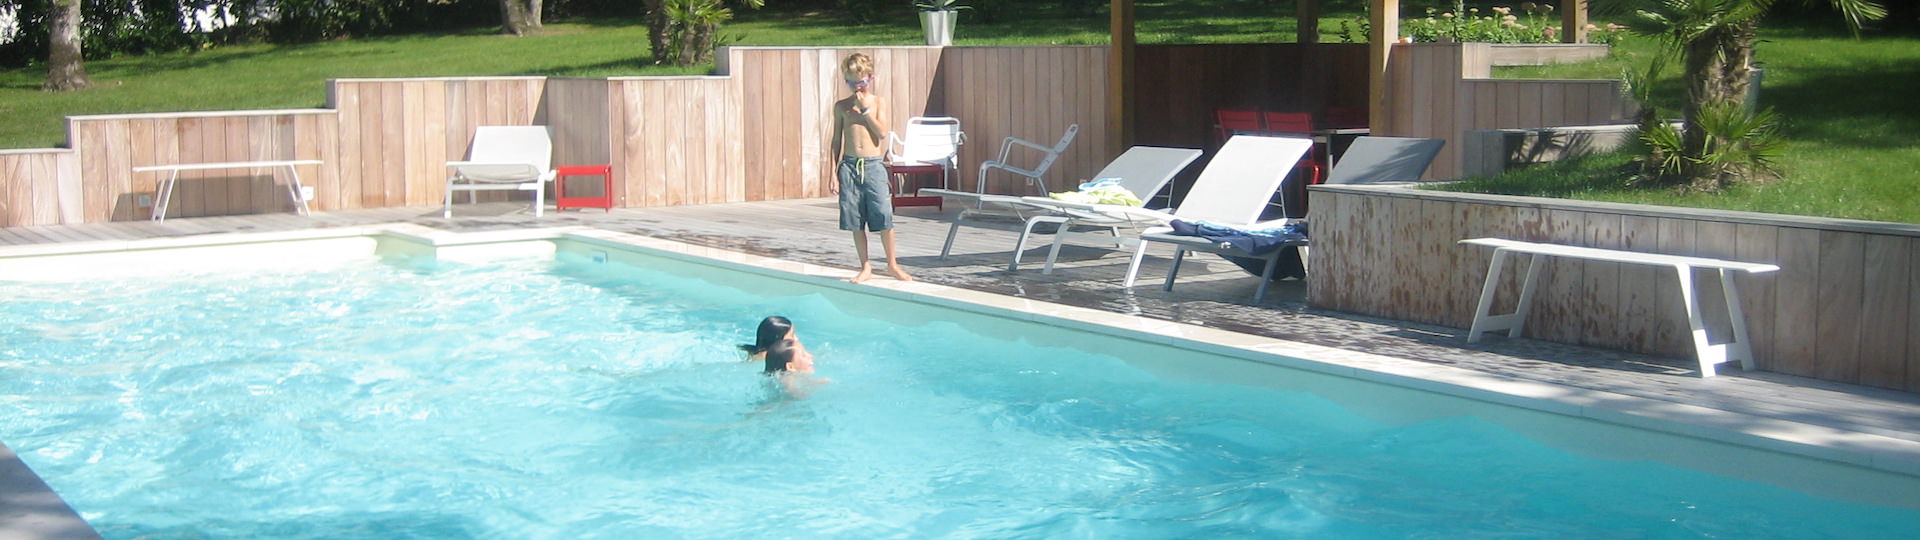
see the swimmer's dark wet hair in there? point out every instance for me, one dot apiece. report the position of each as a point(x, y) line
point(772, 330)
point(780, 354)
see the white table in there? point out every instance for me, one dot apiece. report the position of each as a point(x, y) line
point(1710, 355)
point(165, 191)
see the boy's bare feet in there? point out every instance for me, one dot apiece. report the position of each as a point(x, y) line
point(899, 273)
point(866, 273)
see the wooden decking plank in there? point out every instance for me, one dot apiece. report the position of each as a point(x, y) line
point(11, 238)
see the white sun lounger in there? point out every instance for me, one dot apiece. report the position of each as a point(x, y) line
point(1231, 192)
point(1370, 160)
point(1142, 170)
point(515, 158)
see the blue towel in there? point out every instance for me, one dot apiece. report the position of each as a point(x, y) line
point(1256, 242)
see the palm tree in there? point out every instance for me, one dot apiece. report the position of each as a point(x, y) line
point(684, 32)
point(1714, 42)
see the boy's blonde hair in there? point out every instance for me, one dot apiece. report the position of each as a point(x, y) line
point(857, 64)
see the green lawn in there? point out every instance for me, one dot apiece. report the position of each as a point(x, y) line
point(294, 76)
point(1853, 131)
point(1852, 152)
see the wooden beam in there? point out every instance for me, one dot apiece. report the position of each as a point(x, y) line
point(1573, 21)
point(1307, 16)
point(1120, 77)
point(1385, 16)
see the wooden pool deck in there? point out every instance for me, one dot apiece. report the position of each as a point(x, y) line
point(1210, 292)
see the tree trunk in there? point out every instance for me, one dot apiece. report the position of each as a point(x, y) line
point(516, 18)
point(1718, 69)
point(658, 25)
point(699, 44)
point(534, 7)
point(66, 68)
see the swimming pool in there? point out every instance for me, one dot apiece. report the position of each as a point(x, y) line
point(594, 394)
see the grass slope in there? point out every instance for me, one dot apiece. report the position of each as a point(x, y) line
point(294, 76)
point(1854, 141)
point(1853, 131)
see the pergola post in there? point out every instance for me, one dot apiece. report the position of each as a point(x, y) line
point(1573, 21)
point(1385, 18)
point(1307, 16)
point(1120, 77)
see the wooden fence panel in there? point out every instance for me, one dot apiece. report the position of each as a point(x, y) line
point(1720, 240)
point(582, 125)
point(1840, 296)
point(1883, 310)
point(1562, 278)
point(30, 183)
point(1795, 300)
point(1440, 91)
point(1912, 355)
point(1461, 287)
point(115, 144)
point(237, 184)
point(1758, 243)
point(1840, 308)
point(1600, 283)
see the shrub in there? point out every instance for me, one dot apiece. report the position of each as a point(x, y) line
point(1741, 145)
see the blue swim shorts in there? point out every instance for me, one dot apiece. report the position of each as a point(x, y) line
point(865, 194)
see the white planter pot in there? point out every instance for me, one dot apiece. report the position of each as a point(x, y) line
point(939, 26)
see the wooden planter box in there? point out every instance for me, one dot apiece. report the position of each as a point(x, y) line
point(1539, 54)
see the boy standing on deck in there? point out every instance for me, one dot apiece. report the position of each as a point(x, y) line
point(859, 131)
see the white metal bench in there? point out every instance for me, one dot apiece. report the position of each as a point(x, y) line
point(1710, 355)
point(165, 189)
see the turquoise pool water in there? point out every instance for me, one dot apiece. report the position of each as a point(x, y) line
point(567, 399)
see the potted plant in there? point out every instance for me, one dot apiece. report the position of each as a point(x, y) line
point(937, 18)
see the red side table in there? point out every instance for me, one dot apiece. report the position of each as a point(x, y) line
point(900, 171)
point(603, 201)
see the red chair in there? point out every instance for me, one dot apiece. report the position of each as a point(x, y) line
point(1227, 122)
point(1298, 125)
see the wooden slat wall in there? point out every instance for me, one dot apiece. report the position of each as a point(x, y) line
point(1032, 93)
point(1841, 308)
point(579, 110)
point(759, 132)
point(675, 141)
point(39, 187)
point(396, 135)
point(1440, 90)
point(107, 148)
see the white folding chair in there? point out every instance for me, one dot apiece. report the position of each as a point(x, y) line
point(1033, 174)
point(929, 140)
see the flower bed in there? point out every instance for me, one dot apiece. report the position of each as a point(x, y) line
point(1535, 23)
